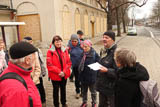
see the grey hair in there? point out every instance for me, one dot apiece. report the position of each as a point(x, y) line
point(125, 57)
point(19, 60)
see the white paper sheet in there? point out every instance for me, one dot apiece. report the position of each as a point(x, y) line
point(95, 66)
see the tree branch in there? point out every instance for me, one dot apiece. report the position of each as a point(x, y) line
point(105, 9)
point(131, 2)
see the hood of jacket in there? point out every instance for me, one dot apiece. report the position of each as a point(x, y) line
point(138, 73)
point(53, 48)
point(71, 46)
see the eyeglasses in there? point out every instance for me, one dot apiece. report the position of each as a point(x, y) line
point(75, 41)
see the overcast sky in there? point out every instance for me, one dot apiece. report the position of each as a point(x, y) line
point(143, 12)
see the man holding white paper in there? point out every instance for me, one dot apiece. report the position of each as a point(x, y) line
point(107, 75)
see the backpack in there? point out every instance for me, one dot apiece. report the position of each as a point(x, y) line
point(150, 94)
point(13, 75)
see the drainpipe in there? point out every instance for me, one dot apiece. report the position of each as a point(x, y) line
point(11, 4)
point(3, 35)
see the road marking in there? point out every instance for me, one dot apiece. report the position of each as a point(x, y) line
point(151, 34)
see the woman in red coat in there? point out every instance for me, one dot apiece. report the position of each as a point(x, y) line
point(58, 64)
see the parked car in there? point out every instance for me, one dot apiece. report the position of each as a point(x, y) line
point(132, 31)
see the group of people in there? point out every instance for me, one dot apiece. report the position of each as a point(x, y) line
point(117, 80)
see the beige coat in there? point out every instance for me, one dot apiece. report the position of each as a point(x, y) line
point(36, 70)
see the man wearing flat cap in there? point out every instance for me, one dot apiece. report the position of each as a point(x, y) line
point(39, 71)
point(107, 76)
point(12, 92)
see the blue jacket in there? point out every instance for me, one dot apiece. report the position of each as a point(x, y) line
point(75, 53)
point(89, 76)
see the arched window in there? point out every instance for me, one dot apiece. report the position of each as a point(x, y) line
point(98, 24)
point(102, 23)
point(66, 22)
point(28, 12)
point(77, 20)
point(86, 23)
point(85, 1)
point(91, 1)
point(105, 24)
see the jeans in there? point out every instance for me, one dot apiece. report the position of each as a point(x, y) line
point(56, 86)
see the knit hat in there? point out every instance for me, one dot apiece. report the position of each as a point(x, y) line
point(74, 37)
point(28, 38)
point(21, 49)
point(110, 34)
point(87, 42)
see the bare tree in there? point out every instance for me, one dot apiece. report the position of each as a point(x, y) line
point(156, 13)
point(114, 5)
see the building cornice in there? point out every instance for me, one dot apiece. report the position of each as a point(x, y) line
point(85, 4)
point(9, 10)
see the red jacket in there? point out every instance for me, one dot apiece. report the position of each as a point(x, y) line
point(14, 94)
point(54, 66)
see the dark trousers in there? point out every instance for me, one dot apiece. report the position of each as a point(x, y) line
point(85, 92)
point(77, 82)
point(56, 85)
point(41, 90)
point(106, 101)
point(72, 76)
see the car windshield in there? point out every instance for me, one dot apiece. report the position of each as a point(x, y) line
point(131, 28)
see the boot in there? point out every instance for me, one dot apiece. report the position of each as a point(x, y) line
point(65, 105)
point(44, 104)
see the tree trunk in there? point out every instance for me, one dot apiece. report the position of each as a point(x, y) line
point(124, 24)
point(118, 24)
point(109, 21)
point(109, 16)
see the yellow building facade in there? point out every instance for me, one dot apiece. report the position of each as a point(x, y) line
point(44, 19)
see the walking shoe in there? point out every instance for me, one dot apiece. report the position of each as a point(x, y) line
point(93, 104)
point(44, 104)
point(77, 96)
point(81, 95)
point(84, 104)
point(71, 80)
point(65, 105)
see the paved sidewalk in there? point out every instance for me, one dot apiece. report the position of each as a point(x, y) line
point(147, 52)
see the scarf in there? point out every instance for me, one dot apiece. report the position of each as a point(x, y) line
point(85, 54)
point(59, 52)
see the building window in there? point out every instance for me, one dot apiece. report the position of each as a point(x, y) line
point(85, 1)
point(91, 2)
point(66, 22)
point(86, 23)
point(102, 23)
point(98, 24)
point(105, 24)
point(77, 20)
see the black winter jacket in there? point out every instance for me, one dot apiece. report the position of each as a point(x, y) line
point(89, 76)
point(128, 93)
point(106, 81)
